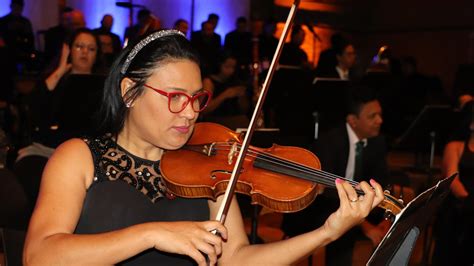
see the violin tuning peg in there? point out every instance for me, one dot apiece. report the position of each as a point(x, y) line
point(386, 192)
point(400, 200)
point(388, 215)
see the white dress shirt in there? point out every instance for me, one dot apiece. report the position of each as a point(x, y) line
point(353, 139)
point(343, 74)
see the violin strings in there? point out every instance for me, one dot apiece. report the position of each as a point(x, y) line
point(320, 175)
point(274, 159)
point(325, 180)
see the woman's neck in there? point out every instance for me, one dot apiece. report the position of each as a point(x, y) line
point(81, 71)
point(138, 146)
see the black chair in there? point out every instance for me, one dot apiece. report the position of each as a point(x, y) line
point(13, 241)
point(28, 170)
point(13, 202)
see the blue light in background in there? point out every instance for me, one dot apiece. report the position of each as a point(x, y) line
point(228, 11)
point(167, 10)
point(4, 8)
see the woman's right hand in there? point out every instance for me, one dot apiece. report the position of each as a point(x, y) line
point(64, 66)
point(194, 239)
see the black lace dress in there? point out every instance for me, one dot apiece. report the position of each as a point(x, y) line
point(128, 190)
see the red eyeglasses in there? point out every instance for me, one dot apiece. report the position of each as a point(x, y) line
point(177, 100)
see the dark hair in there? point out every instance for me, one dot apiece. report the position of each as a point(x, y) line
point(337, 39)
point(143, 13)
point(340, 47)
point(221, 58)
point(213, 16)
point(158, 52)
point(242, 20)
point(358, 96)
point(17, 2)
point(98, 56)
point(179, 21)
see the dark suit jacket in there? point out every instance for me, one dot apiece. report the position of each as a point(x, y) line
point(209, 49)
point(327, 72)
point(332, 149)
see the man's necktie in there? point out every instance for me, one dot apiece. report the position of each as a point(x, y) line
point(358, 160)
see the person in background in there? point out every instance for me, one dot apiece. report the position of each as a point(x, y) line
point(354, 150)
point(327, 59)
point(346, 59)
point(239, 43)
point(230, 102)
point(106, 29)
point(103, 199)
point(17, 33)
point(79, 56)
point(292, 54)
point(182, 25)
point(453, 229)
point(208, 45)
point(213, 19)
point(54, 38)
point(110, 44)
point(133, 33)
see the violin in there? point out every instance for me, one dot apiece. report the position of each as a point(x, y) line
point(281, 178)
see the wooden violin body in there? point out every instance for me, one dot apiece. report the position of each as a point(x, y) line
point(282, 178)
point(211, 155)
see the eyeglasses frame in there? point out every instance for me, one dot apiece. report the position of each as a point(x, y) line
point(190, 99)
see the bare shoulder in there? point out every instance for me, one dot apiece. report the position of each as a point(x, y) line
point(71, 159)
point(64, 184)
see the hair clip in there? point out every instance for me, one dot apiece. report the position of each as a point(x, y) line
point(145, 42)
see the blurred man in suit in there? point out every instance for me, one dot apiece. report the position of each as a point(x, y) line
point(356, 151)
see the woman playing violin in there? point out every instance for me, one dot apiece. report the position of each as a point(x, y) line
point(102, 200)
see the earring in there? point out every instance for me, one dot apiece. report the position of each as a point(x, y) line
point(128, 104)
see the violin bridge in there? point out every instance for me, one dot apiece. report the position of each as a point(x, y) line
point(232, 151)
point(208, 150)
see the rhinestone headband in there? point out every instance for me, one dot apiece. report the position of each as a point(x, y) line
point(145, 42)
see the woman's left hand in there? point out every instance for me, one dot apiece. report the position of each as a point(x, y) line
point(353, 208)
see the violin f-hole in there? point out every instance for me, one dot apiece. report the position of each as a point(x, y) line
point(215, 174)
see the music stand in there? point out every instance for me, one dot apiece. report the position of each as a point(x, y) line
point(432, 123)
point(396, 247)
point(328, 97)
point(262, 138)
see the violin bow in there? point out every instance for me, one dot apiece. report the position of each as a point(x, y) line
point(225, 205)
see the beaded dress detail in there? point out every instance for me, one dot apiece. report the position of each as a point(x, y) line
point(128, 190)
point(115, 163)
